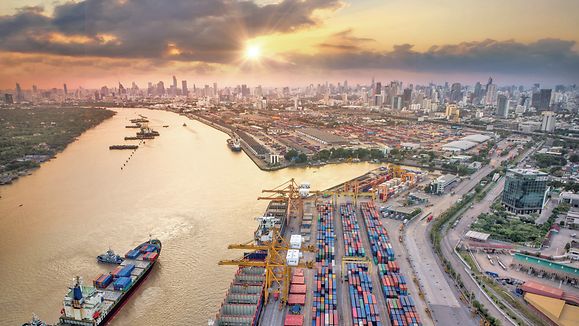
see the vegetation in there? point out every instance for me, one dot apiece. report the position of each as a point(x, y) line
point(549, 161)
point(347, 153)
point(521, 230)
point(41, 132)
point(501, 227)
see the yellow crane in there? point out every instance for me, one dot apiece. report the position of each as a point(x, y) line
point(277, 270)
point(289, 192)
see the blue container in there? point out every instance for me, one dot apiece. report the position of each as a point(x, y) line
point(122, 283)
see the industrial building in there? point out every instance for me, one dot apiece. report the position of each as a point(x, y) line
point(546, 267)
point(465, 143)
point(525, 191)
point(321, 136)
point(442, 182)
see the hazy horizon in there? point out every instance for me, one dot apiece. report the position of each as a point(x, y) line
point(91, 43)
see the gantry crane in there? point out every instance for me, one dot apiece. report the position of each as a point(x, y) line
point(277, 270)
point(289, 192)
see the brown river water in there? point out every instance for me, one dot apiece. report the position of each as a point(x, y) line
point(185, 187)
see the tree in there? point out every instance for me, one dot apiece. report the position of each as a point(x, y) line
point(291, 154)
point(574, 158)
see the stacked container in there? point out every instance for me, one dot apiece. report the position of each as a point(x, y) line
point(123, 271)
point(325, 301)
point(132, 254)
point(352, 240)
point(399, 304)
point(122, 283)
point(243, 301)
point(150, 256)
point(379, 241)
point(364, 304)
point(103, 281)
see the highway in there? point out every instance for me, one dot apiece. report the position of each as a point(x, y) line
point(440, 292)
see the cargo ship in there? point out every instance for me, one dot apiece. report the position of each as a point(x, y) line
point(234, 144)
point(243, 302)
point(95, 305)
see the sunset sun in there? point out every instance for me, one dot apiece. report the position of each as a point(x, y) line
point(253, 52)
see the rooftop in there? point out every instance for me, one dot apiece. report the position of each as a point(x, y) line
point(459, 145)
point(323, 135)
point(477, 235)
point(547, 264)
point(528, 172)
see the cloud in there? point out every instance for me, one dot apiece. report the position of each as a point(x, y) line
point(550, 57)
point(344, 41)
point(210, 31)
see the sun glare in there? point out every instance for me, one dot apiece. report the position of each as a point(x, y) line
point(253, 52)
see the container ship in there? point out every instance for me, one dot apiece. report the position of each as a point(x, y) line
point(243, 302)
point(234, 144)
point(95, 305)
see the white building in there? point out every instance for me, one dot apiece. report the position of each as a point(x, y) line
point(548, 123)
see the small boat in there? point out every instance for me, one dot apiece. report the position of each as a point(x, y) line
point(35, 322)
point(110, 257)
point(166, 126)
point(184, 124)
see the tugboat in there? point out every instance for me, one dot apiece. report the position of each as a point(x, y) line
point(35, 322)
point(234, 144)
point(110, 258)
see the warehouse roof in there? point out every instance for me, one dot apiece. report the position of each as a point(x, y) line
point(477, 235)
point(323, 135)
point(459, 145)
point(556, 310)
point(476, 138)
point(547, 264)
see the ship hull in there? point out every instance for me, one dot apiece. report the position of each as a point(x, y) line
point(117, 306)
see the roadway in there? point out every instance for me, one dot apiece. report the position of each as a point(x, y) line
point(454, 235)
point(443, 299)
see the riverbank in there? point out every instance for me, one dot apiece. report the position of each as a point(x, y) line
point(33, 136)
point(262, 165)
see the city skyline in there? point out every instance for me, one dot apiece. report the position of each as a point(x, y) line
point(93, 43)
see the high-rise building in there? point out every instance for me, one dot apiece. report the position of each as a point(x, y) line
point(502, 106)
point(544, 100)
point(456, 92)
point(65, 90)
point(185, 90)
point(19, 94)
point(160, 88)
point(491, 94)
point(175, 82)
point(8, 99)
point(525, 191)
point(548, 123)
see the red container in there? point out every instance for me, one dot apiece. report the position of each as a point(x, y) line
point(298, 280)
point(298, 289)
point(299, 299)
point(294, 320)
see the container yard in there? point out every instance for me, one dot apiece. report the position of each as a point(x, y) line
point(353, 278)
point(325, 303)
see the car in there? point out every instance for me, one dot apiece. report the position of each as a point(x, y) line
point(573, 235)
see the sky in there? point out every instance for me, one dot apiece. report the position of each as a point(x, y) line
point(90, 43)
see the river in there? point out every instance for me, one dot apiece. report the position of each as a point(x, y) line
point(185, 187)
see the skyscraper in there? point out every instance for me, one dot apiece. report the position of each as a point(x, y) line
point(548, 123)
point(544, 100)
point(185, 90)
point(19, 94)
point(65, 90)
point(502, 106)
point(491, 95)
point(525, 191)
point(174, 82)
point(456, 92)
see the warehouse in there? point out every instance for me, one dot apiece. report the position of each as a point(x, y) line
point(321, 136)
point(459, 146)
point(465, 143)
